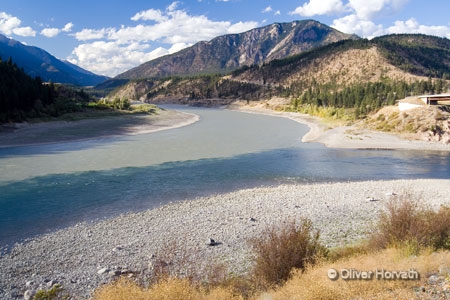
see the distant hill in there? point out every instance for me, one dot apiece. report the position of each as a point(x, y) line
point(38, 62)
point(229, 52)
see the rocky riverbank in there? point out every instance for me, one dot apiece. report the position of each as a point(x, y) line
point(82, 257)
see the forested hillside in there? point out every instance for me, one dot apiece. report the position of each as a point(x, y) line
point(22, 96)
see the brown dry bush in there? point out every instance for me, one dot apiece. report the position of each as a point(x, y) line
point(408, 221)
point(281, 249)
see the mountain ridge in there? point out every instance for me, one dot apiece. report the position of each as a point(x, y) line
point(229, 52)
point(361, 74)
point(38, 62)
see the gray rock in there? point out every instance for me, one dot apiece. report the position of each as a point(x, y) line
point(29, 294)
point(51, 283)
point(103, 271)
point(29, 283)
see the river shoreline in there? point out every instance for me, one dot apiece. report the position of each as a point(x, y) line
point(342, 137)
point(83, 257)
point(24, 134)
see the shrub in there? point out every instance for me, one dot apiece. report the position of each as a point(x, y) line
point(54, 293)
point(280, 250)
point(407, 222)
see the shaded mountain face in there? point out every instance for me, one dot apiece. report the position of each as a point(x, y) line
point(229, 52)
point(38, 62)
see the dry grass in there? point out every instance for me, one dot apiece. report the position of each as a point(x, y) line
point(315, 284)
point(169, 289)
point(311, 284)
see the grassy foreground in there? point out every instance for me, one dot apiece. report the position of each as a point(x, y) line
point(311, 284)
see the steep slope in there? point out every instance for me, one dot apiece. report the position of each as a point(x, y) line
point(229, 52)
point(417, 53)
point(37, 62)
point(350, 62)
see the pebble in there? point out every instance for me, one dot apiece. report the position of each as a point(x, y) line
point(82, 257)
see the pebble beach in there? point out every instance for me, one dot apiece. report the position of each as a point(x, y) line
point(85, 256)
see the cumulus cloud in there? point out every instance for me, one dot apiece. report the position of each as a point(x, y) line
point(92, 34)
point(129, 46)
point(50, 32)
point(11, 25)
point(150, 15)
point(359, 17)
point(370, 9)
point(353, 24)
point(412, 26)
point(68, 27)
point(319, 7)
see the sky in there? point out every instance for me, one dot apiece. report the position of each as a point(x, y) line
point(110, 37)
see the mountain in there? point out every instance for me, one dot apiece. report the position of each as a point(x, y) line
point(359, 74)
point(229, 52)
point(38, 62)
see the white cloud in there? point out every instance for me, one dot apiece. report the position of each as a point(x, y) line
point(150, 15)
point(116, 50)
point(412, 26)
point(362, 15)
point(91, 34)
point(370, 9)
point(68, 27)
point(319, 7)
point(11, 25)
point(50, 32)
point(353, 24)
point(268, 9)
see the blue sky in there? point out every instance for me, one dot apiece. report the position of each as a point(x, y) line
point(110, 37)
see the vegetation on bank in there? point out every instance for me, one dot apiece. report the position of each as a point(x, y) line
point(291, 263)
point(23, 98)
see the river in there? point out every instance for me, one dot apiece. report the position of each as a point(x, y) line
point(46, 187)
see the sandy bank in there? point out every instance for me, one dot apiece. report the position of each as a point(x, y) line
point(63, 131)
point(87, 255)
point(349, 137)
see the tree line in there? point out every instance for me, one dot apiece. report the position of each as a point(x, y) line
point(23, 97)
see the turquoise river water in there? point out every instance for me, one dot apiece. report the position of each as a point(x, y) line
point(46, 187)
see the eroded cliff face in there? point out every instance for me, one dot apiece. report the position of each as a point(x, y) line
point(427, 123)
point(228, 52)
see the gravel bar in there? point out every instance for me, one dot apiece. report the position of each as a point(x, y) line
point(83, 257)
